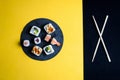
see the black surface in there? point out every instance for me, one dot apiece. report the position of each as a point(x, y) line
point(25, 35)
point(101, 69)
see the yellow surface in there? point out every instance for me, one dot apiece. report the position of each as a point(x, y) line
point(16, 65)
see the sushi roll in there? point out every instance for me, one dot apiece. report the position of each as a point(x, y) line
point(26, 43)
point(35, 30)
point(49, 28)
point(55, 42)
point(47, 38)
point(48, 50)
point(37, 40)
point(37, 50)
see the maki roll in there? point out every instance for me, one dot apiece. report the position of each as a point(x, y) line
point(35, 30)
point(26, 43)
point(37, 50)
point(49, 28)
point(48, 50)
point(37, 40)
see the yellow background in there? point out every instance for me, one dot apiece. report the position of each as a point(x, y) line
point(16, 65)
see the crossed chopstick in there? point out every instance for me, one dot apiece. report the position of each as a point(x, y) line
point(100, 39)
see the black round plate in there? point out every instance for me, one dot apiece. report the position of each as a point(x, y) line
point(41, 22)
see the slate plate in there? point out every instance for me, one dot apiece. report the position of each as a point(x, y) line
point(41, 22)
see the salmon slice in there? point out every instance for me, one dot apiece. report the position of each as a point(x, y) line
point(55, 42)
point(47, 38)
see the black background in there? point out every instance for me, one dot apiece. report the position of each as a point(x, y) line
point(101, 69)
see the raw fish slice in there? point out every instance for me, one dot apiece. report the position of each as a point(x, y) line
point(55, 42)
point(47, 38)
